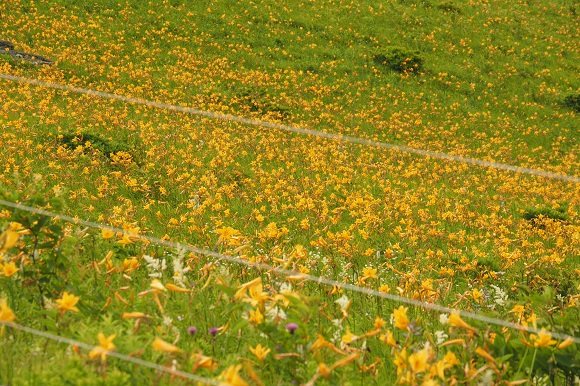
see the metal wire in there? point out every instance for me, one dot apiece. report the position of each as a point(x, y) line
point(276, 126)
point(115, 354)
point(287, 272)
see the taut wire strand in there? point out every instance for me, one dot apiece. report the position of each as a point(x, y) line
point(287, 272)
point(299, 130)
point(115, 354)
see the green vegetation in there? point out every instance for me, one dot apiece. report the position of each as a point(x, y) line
point(554, 214)
point(572, 101)
point(87, 141)
point(400, 60)
point(492, 80)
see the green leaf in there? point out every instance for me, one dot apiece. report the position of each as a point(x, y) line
point(241, 324)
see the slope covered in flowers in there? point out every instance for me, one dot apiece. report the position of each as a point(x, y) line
point(491, 87)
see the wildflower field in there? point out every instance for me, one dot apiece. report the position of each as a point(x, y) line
point(202, 239)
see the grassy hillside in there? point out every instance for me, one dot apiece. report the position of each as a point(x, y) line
point(494, 80)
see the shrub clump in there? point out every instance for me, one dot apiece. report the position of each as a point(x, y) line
point(257, 100)
point(448, 6)
point(108, 148)
point(572, 101)
point(554, 214)
point(400, 59)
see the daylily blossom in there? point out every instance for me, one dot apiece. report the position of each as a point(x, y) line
point(260, 352)
point(9, 269)
point(105, 346)
point(231, 376)
point(161, 345)
point(67, 303)
point(6, 314)
point(542, 339)
point(456, 321)
point(400, 318)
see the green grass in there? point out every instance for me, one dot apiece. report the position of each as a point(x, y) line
point(497, 81)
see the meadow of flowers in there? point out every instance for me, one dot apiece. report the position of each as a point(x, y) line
point(497, 243)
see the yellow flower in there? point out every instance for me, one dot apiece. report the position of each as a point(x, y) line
point(256, 317)
point(456, 321)
point(384, 288)
point(105, 346)
point(533, 319)
point(418, 362)
point(161, 345)
point(203, 361)
point(369, 273)
point(257, 296)
point(401, 319)
point(127, 239)
point(130, 265)
point(484, 354)
point(450, 360)
point(174, 288)
point(345, 361)
point(157, 285)
point(231, 377)
point(438, 369)
point(518, 310)
point(543, 339)
point(389, 339)
point(67, 303)
point(260, 352)
point(241, 292)
point(228, 235)
point(8, 239)
point(134, 315)
point(429, 382)
point(6, 314)
point(319, 343)
point(566, 343)
point(9, 269)
point(476, 294)
point(400, 361)
point(107, 234)
point(324, 370)
point(379, 323)
point(348, 337)
point(299, 252)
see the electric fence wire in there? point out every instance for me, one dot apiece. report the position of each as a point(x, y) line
point(115, 354)
point(276, 126)
point(294, 274)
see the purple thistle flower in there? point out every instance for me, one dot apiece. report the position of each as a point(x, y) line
point(213, 331)
point(192, 330)
point(291, 327)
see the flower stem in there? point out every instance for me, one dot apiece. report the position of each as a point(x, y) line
point(523, 359)
point(533, 361)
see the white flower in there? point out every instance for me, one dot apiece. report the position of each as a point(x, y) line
point(343, 302)
point(441, 337)
point(276, 314)
point(179, 268)
point(487, 379)
point(300, 349)
point(443, 318)
point(337, 337)
point(155, 266)
point(500, 296)
point(285, 287)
